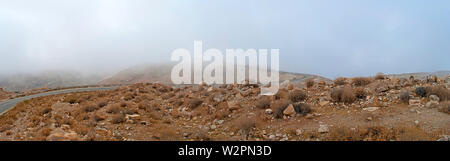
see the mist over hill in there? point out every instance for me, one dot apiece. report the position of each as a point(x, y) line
point(47, 79)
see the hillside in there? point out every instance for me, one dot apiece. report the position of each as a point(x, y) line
point(161, 73)
point(360, 109)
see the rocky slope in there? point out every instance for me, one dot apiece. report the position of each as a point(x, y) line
point(347, 109)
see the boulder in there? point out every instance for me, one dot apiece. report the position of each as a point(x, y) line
point(289, 111)
point(434, 98)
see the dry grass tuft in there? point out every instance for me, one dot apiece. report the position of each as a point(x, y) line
point(310, 83)
point(297, 96)
point(445, 107)
point(340, 81)
point(118, 118)
point(361, 81)
point(360, 93)
point(343, 94)
point(114, 109)
point(194, 103)
point(404, 96)
point(244, 124)
point(263, 103)
point(380, 76)
point(302, 108)
point(440, 91)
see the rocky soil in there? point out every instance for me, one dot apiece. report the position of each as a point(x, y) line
point(378, 108)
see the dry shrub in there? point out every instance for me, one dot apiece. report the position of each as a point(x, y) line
point(118, 118)
point(89, 108)
point(278, 107)
point(194, 103)
point(46, 131)
point(72, 99)
point(263, 103)
point(440, 91)
point(128, 97)
point(102, 104)
point(302, 108)
point(46, 110)
point(361, 81)
point(123, 104)
point(114, 109)
point(445, 107)
point(360, 93)
point(167, 96)
point(380, 76)
point(244, 124)
point(343, 94)
point(404, 96)
point(297, 96)
point(340, 81)
point(310, 83)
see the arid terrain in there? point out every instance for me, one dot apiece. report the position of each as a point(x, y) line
point(363, 108)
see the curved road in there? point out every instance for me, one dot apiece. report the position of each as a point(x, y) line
point(5, 106)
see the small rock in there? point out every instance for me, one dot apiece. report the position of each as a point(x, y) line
point(269, 111)
point(444, 138)
point(298, 132)
point(414, 102)
point(432, 104)
point(213, 127)
point(309, 116)
point(323, 103)
point(220, 122)
point(323, 129)
point(289, 111)
point(271, 137)
point(434, 98)
point(371, 109)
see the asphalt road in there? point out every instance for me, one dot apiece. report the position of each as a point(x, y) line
point(5, 106)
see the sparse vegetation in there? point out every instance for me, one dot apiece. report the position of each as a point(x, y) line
point(361, 81)
point(194, 103)
point(343, 94)
point(440, 91)
point(445, 107)
point(244, 124)
point(302, 108)
point(262, 103)
point(404, 97)
point(310, 83)
point(380, 76)
point(340, 81)
point(360, 93)
point(118, 118)
point(297, 96)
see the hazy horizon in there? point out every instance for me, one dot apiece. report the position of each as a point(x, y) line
point(322, 37)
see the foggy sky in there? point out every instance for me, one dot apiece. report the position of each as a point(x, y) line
point(325, 37)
